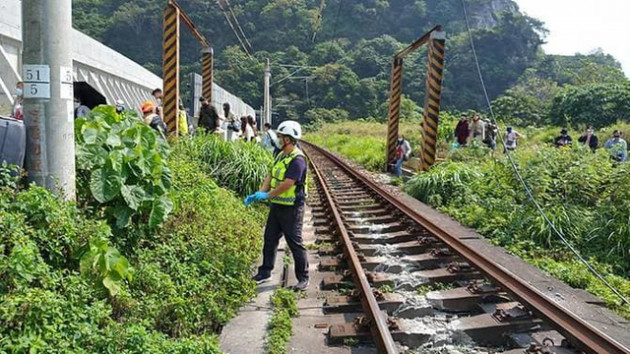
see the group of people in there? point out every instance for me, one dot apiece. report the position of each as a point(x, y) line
point(470, 129)
point(210, 120)
point(616, 145)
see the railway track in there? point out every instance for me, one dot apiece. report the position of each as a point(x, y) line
point(377, 252)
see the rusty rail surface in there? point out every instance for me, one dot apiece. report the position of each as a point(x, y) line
point(579, 332)
point(378, 327)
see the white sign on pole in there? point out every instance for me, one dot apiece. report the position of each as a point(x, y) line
point(67, 88)
point(36, 90)
point(36, 81)
point(36, 73)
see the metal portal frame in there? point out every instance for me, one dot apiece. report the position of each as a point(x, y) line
point(436, 40)
point(173, 16)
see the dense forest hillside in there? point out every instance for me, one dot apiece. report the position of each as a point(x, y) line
point(345, 48)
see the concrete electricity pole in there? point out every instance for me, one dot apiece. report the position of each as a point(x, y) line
point(267, 117)
point(48, 94)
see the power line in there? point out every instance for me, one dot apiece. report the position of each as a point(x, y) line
point(229, 21)
point(522, 180)
point(249, 45)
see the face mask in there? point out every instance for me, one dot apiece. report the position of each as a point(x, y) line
point(18, 92)
point(400, 140)
point(76, 104)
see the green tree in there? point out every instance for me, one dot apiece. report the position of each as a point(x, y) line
point(596, 104)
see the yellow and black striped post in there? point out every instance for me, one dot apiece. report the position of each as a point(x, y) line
point(435, 73)
point(207, 67)
point(170, 67)
point(393, 119)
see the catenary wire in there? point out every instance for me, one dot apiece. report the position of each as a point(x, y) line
point(520, 177)
point(249, 45)
point(229, 21)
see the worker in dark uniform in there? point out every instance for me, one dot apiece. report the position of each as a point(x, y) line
point(285, 188)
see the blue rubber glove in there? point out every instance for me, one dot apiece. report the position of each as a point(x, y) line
point(249, 200)
point(260, 196)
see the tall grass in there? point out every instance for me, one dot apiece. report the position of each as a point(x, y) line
point(239, 166)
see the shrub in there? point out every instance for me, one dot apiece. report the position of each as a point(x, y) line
point(596, 104)
point(193, 276)
point(121, 169)
point(582, 193)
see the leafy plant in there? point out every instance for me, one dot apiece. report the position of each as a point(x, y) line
point(104, 263)
point(7, 176)
point(427, 288)
point(121, 169)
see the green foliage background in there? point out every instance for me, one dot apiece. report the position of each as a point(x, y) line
point(346, 47)
point(346, 44)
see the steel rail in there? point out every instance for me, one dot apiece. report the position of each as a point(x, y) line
point(580, 333)
point(380, 330)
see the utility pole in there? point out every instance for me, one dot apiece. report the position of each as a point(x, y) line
point(267, 117)
point(48, 95)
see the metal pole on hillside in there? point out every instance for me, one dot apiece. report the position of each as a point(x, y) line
point(48, 95)
point(267, 117)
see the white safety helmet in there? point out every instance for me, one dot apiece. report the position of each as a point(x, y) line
point(290, 128)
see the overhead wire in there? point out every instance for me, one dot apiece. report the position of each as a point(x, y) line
point(528, 191)
point(229, 21)
point(249, 45)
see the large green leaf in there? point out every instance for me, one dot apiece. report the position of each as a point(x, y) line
point(123, 215)
point(115, 161)
point(113, 139)
point(90, 131)
point(105, 184)
point(133, 196)
point(162, 206)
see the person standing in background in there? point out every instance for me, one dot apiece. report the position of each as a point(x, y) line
point(477, 130)
point(403, 152)
point(589, 139)
point(182, 119)
point(233, 127)
point(462, 130)
point(120, 106)
point(152, 119)
point(270, 140)
point(618, 147)
point(158, 95)
point(18, 105)
point(564, 139)
point(208, 116)
point(246, 132)
point(252, 123)
point(80, 110)
point(511, 138)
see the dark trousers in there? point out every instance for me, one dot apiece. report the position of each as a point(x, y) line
point(285, 220)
